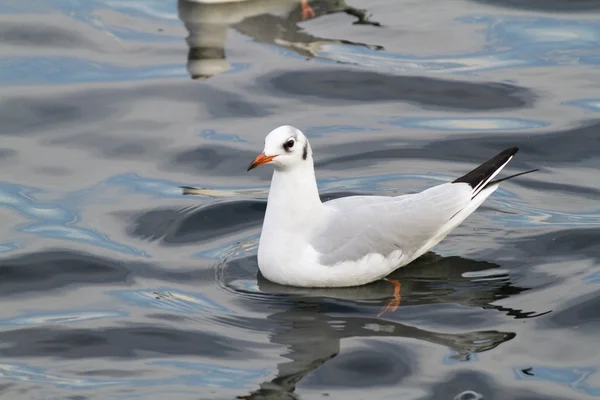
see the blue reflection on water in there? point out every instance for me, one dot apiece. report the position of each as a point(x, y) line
point(31, 374)
point(539, 34)
point(129, 34)
point(60, 70)
point(526, 216)
point(593, 278)
point(232, 250)
point(454, 357)
point(55, 219)
point(66, 317)
point(468, 124)
point(170, 189)
point(226, 376)
point(210, 134)
point(85, 9)
point(207, 375)
point(19, 199)
point(589, 104)
point(576, 378)
point(401, 63)
point(7, 247)
point(137, 184)
point(78, 234)
point(147, 9)
point(170, 299)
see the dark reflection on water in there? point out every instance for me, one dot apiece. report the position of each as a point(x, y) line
point(580, 241)
point(111, 146)
point(197, 225)
point(49, 271)
point(76, 111)
point(26, 115)
point(538, 151)
point(218, 159)
point(316, 321)
point(121, 342)
point(342, 86)
point(583, 312)
point(554, 147)
point(432, 279)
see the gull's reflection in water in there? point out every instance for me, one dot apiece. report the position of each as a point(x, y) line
point(266, 21)
point(311, 323)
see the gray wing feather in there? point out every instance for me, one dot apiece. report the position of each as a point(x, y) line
point(385, 224)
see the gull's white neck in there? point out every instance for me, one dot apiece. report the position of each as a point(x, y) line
point(293, 205)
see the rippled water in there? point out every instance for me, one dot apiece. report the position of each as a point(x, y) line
point(114, 285)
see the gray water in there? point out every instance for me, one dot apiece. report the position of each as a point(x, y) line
point(116, 286)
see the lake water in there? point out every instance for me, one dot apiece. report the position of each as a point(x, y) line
point(116, 286)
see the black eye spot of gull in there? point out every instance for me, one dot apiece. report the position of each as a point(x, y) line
point(288, 145)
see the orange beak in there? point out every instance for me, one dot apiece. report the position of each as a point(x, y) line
point(260, 160)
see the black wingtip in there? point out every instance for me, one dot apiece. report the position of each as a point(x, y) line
point(512, 150)
point(505, 154)
point(486, 170)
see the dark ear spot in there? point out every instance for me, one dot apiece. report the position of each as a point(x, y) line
point(305, 151)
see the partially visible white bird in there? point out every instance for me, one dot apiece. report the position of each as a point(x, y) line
point(354, 240)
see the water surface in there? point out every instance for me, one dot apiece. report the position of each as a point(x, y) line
point(116, 286)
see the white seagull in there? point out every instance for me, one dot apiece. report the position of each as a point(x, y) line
point(354, 240)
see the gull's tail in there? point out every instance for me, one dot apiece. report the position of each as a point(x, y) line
point(481, 177)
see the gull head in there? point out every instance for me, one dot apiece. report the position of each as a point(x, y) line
point(286, 147)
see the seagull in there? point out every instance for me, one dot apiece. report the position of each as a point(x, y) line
point(354, 240)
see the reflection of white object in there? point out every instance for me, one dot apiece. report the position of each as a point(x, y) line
point(203, 68)
point(358, 239)
point(208, 20)
point(231, 12)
